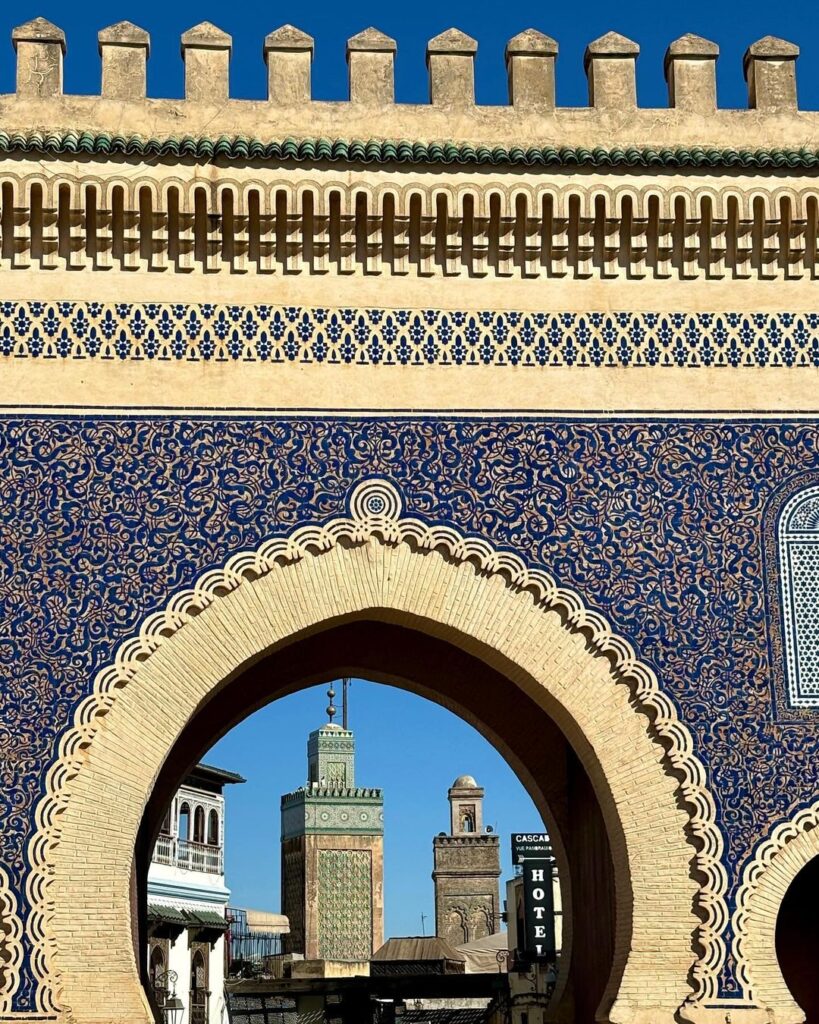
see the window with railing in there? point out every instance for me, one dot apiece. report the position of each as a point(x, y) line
point(185, 853)
point(191, 834)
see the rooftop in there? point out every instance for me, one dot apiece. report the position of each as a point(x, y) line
point(417, 947)
point(210, 773)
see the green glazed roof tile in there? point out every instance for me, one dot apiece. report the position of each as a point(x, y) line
point(405, 152)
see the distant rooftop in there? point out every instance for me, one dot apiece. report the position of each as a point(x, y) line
point(210, 773)
point(465, 782)
point(417, 947)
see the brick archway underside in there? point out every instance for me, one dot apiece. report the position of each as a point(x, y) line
point(182, 661)
point(516, 725)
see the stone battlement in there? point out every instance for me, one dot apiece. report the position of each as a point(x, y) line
point(334, 792)
point(612, 118)
point(470, 839)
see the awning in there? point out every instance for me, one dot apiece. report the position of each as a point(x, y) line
point(482, 954)
point(168, 922)
point(165, 922)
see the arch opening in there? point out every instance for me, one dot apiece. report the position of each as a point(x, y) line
point(541, 757)
point(541, 641)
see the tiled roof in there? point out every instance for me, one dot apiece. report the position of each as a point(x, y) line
point(382, 151)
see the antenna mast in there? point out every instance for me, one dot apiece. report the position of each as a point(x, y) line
point(345, 686)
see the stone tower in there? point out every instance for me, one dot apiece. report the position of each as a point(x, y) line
point(467, 868)
point(332, 851)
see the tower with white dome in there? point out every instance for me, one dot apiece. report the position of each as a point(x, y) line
point(332, 849)
point(467, 869)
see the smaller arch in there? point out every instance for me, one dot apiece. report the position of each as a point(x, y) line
point(767, 877)
point(184, 828)
point(198, 979)
point(213, 828)
point(156, 966)
point(798, 556)
point(199, 824)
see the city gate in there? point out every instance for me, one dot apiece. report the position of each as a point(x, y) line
point(512, 406)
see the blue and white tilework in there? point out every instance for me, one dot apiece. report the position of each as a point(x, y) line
point(401, 337)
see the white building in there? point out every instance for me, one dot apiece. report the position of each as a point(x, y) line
point(187, 898)
point(530, 983)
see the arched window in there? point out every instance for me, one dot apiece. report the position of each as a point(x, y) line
point(184, 822)
point(157, 967)
point(467, 823)
point(199, 825)
point(798, 537)
point(213, 829)
point(165, 827)
point(198, 1007)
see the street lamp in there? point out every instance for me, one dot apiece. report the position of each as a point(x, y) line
point(173, 1009)
point(172, 1006)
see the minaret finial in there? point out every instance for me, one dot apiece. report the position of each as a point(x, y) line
point(331, 708)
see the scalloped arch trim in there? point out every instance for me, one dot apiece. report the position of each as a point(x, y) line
point(765, 881)
point(376, 513)
point(11, 946)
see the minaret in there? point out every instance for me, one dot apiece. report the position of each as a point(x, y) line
point(333, 853)
point(467, 869)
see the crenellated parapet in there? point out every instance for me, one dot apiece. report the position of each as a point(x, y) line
point(769, 68)
point(530, 190)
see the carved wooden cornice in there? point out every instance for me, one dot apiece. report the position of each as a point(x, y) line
point(318, 220)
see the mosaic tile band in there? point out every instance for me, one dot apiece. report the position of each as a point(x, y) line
point(401, 337)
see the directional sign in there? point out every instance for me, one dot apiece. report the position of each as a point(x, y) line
point(528, 845)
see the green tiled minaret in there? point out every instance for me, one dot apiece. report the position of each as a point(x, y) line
point(332, 853)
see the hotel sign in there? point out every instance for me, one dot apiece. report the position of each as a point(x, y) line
point(532, 853)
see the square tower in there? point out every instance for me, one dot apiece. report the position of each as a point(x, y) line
point(467, 869)
point(332, 850)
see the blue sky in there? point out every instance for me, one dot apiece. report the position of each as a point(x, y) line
point(409, 746)
point(734, 25)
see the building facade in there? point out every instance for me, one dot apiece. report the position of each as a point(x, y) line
point(467, 869)
point(187, 898)
point(513, 406)
point(332, 855)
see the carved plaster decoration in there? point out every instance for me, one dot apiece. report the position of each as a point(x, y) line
point(284, 222)
point(11, 947)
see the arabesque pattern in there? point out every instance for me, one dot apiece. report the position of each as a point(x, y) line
point(345, 916)
point(103, 519)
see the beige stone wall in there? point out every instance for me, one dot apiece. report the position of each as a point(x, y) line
point(467, 902)
point(692, 118)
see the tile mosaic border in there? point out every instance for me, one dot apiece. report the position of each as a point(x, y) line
point(404, 337)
